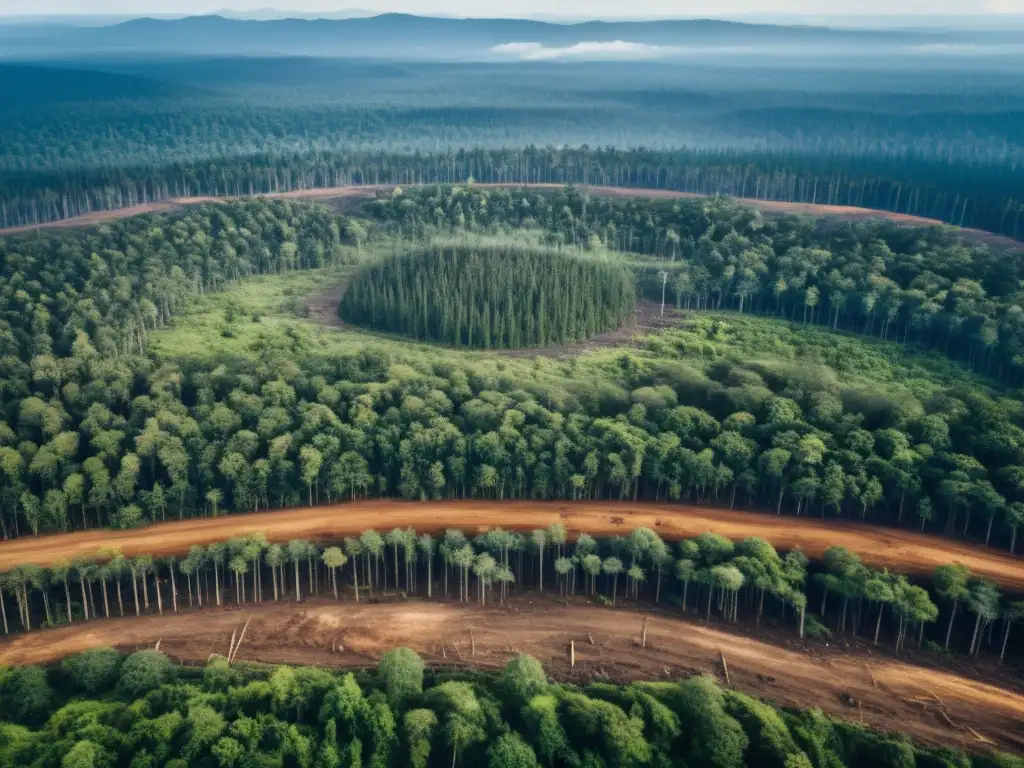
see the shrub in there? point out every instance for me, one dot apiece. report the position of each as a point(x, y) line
point(94, 670)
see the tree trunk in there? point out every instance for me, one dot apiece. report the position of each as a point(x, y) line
point(334, 584)
point(298, 588)
point(541, 551)
point(135, 591)
point(878, 622)
point(120, 602)
point(85, 599)
point(255, 579)
point(1002, 652)
point(949, 627)
point(974, 638)
point(174, 588)
point(67, 595)
point(156, 588)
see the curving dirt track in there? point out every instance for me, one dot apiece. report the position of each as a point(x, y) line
point(876, 690)
point(879, 547)
point(369, 190)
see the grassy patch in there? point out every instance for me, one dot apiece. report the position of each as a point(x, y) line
point(764, 343)
point(259, 315)
point(232, 321)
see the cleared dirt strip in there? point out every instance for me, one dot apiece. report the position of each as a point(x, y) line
point(898, 550)
point(875, 689)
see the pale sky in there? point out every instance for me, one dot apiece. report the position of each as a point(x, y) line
point(527, 8)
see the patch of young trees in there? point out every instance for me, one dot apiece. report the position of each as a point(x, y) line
point(490, 297)
point(101, 709)
point(705, 575)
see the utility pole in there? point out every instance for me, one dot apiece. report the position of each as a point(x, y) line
point(664, 280)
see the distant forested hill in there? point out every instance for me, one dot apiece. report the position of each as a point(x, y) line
point(419, 37)
point(27, 85)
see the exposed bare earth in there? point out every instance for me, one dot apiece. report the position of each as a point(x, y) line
point(875, 689)
point(366, 191)
point(879, 547)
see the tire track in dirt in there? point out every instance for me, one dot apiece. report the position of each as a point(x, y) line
point(898, 550)
point(367, 191)
point(877, 690)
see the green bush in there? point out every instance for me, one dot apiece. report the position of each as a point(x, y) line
point(145, 671)
point(94, 670)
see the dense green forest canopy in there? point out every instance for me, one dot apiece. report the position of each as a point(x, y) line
point(97, 431)
point(102, 709)
point(491, 297)
point(909, 136)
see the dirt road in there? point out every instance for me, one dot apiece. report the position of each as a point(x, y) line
point(366, 191)
point(879, 547)
point(873, 689)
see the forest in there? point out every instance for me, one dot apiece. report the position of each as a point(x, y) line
point(491, 298)
point(980, 196)
point(100, 708)
point(479, 330)
point(926, 137)
point(96, 430)
point(920, 286)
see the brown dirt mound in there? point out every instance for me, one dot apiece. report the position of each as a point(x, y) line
point(874, 689)
point(898, 550)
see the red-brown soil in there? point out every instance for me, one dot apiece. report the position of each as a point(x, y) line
point(898, 550)
point(864, 685)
